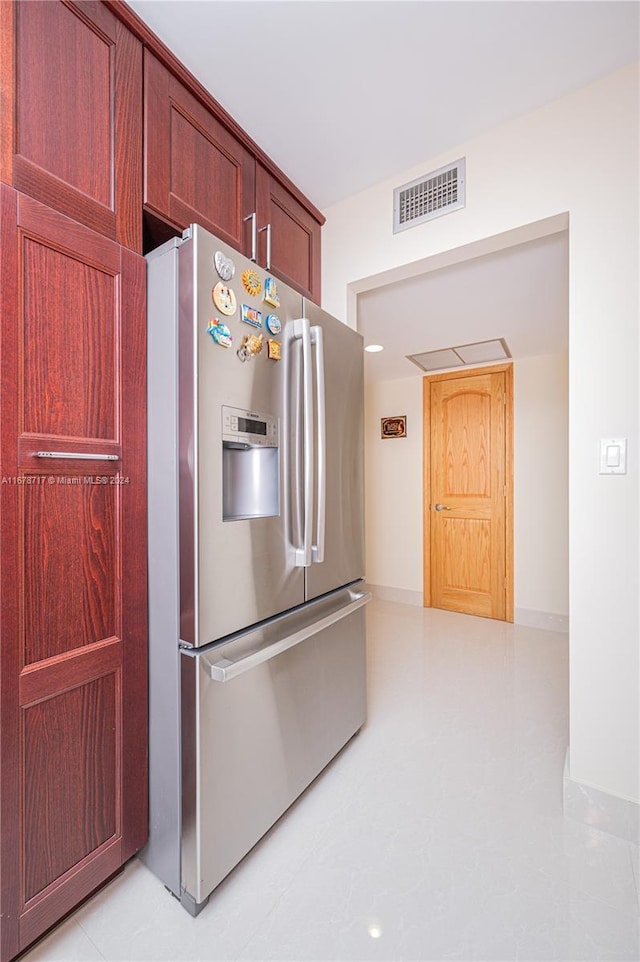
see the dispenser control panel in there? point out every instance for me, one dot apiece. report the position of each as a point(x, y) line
point(249, 427)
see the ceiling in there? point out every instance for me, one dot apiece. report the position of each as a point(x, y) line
point(342, 94)
point(520, 294)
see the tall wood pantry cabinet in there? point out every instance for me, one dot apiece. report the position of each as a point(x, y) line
point(73, 675)
point(107, 147)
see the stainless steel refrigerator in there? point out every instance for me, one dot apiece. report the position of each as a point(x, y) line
point(256, 555)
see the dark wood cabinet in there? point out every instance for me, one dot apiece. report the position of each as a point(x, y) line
point(289, 236)
point(71, 109)
point(195, 170)
point(73, 713)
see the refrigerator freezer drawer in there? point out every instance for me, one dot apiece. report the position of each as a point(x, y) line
point(261, 718)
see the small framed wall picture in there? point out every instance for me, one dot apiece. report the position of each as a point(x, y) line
point(395, 427)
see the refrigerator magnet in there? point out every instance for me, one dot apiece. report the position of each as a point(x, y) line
point(219, 332)
point(271, 292)
point(251, 282)
point(251, 316)
point(273, 350)
point(272, 323)
point(224, 265)
point(251, 346)
point(224, 299)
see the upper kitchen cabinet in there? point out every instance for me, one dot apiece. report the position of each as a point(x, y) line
point(200, 167)
point(71, 105)
point(289, 236)
point(195, 170)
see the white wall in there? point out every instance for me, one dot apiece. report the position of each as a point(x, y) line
point(393, 487)
point(578, 154)
point(541, 485)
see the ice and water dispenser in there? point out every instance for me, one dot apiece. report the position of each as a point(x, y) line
point(250, 465)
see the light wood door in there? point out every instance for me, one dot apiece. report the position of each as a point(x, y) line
point(73, 713)
point(468, 494)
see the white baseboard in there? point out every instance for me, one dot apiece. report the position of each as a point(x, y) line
point(402, 596)
point(541, 619)
point(608, 813)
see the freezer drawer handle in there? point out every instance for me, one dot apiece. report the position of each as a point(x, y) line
point(77, 455)
point(225, 670)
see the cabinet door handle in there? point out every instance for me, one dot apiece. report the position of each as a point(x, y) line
point(268, 230)
point(254, 235)
point(76, 455)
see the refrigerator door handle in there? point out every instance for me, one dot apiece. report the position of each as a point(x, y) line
point(317, 550)
point(302, 330)
point(225, 670)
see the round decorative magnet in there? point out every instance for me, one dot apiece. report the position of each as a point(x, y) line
point(272, 323)
point(224, 299)
point(219, 332)
point(224, 265)
point(252, 282)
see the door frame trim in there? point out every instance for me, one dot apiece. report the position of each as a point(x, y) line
point(507, 369)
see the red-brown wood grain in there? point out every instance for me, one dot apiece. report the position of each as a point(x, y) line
point(194, 169)
point(68, 670)
point(71, 802)
point(133, 525)
point(10, 874)
point(295, 236)
point(71, 563)
point(73, 711)
point(70, 326)
point(72, 91)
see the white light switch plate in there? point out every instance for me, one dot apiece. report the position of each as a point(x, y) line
point(613, 456)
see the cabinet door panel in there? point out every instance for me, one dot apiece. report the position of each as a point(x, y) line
point(69, 576)
point(73, 734)
point(77, 776)
point(295, 236)
point(72, 85)
point(195, 170)
point(70, 383)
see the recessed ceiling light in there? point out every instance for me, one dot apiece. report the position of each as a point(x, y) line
point(374, 348)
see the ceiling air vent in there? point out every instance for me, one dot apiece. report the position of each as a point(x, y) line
point(480, 352)
point(430, 196)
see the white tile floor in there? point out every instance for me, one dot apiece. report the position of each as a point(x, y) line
point(436, 834)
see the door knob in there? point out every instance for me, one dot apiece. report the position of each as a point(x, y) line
point(442, 507)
